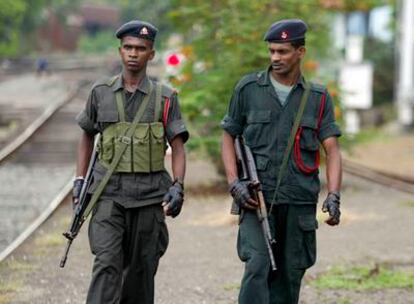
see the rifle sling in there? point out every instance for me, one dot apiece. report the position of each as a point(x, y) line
point(124, 142)
point(291, 140)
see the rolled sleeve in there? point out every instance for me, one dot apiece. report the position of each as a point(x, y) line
point(232, 122)
point(86, 123)
point(329, 127)
point(231, 126)
point(86, 119)
point(175, 124)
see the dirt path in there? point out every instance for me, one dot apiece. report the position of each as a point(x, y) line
point(201, 265)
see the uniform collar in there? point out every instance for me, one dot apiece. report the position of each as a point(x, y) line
point(264, 80)
point(142, 87)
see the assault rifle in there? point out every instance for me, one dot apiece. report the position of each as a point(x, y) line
point(247, 172)
point(79, 216)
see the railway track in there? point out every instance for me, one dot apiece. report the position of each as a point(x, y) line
point(37, 168)
point(388, 179)
point(36, 173)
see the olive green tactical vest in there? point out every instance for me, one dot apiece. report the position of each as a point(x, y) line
point(146, 147)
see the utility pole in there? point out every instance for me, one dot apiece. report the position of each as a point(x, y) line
point(405, 49)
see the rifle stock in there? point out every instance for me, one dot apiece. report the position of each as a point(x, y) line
point(78, 217)
point(247, 171)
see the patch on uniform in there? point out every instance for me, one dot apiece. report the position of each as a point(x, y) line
point(284, 35)
point(144, 31)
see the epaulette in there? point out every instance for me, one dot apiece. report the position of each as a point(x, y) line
point(105, 81)
point(316, 87)
point(167, 91)
point(249, 78)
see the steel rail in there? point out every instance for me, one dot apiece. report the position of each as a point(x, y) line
point(38, 221)
point(392, 180)
point(37, 123)
point(24, 138)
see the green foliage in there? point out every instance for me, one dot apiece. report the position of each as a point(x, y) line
point(19, 20)
point(11, 16)
point(364, 278)
point(148, 10)
point(356, 5)
point(154, 12)
point(102, 42)
point(226, 38)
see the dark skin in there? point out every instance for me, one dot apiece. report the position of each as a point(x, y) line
point(285, 60)
point(135, 54)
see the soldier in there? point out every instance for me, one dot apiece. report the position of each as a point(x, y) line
point(263, 109)
point(127, 231)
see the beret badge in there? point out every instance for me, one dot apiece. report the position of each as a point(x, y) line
point(144, 31)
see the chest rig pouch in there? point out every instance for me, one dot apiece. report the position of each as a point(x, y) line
point(146, 147)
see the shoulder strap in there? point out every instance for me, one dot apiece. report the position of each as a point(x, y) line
point(112, 80)
point(158, 101)
point(119, 95)
point(291, 140)
point(321, 110)
point(124, 142)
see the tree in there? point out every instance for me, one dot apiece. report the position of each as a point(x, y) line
point(147, 10)
point(11, 16)
point(226, 39)
point(19, 20)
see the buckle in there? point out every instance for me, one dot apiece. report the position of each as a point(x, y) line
point(125, 140)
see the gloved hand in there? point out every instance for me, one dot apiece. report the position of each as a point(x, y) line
point(331, 205)
point(174, 199)
point(241, 194)
point(77, 188)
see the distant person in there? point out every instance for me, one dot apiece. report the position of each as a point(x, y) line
point(42, 65)
point(127, 231)
point(263, 109)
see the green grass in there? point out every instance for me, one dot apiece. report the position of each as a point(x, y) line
point(407, 203)
point(16, 265)
point(7, 289)
point(50, 240)
point(343, 301)
point(364, 278)
point(231, 286)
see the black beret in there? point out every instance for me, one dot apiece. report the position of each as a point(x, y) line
point(137, 28)
point(286, 31)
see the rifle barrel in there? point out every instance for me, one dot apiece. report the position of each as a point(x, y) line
point(65, 254)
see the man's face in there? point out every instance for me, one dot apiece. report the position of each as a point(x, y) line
point(285, 57)
point(135, 53)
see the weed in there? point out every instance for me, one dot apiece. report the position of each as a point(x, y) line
point(364, 278)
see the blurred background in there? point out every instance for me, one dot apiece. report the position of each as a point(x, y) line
point(362, 50)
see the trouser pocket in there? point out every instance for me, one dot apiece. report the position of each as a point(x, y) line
point(305, 251)
point(163, 237)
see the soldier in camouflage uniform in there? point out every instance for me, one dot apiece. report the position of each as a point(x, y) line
point(127, 231)
point(263, 109)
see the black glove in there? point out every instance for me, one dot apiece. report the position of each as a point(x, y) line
point(77, 188)
point(241, 194)
point(331, 205)
point(175, 199)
